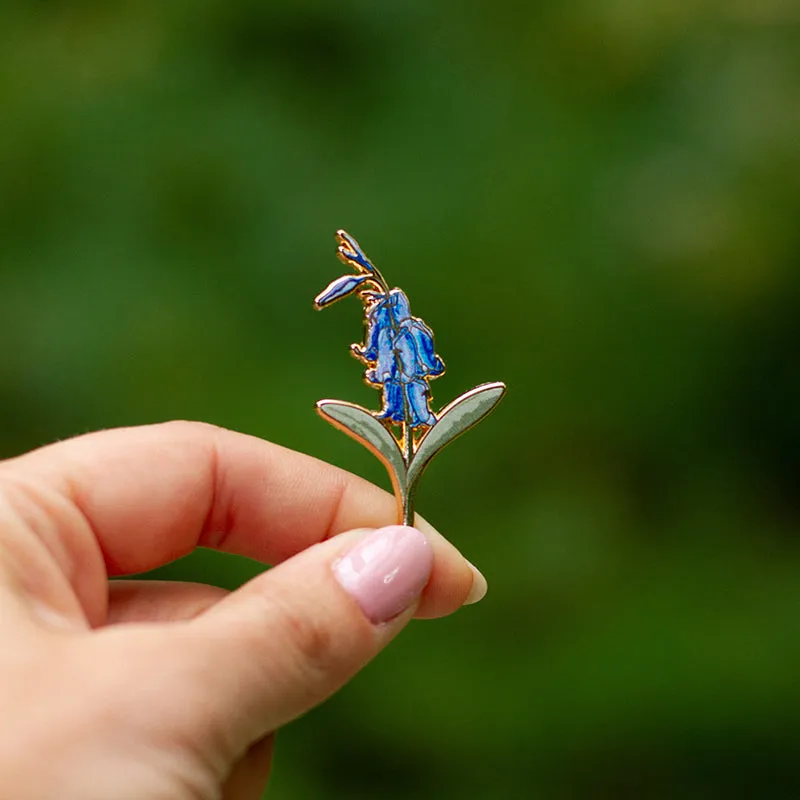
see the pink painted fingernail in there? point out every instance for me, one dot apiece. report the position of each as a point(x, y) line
point(386, 571)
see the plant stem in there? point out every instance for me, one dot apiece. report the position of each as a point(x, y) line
point(408, 443)
point(407, 517)
point(408, 512)
point(408, 454)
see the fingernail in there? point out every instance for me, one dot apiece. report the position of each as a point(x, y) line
point(386, 571)
point(479, 586)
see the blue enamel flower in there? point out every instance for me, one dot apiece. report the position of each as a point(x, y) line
point(400, 359)
point(398, 349)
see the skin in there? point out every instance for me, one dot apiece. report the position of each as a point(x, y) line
point(154, 690)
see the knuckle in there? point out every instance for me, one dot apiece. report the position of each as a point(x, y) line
point(287, 636)
point(315, 645)
point(310, 641)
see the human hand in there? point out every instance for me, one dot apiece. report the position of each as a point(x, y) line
point(140, 689)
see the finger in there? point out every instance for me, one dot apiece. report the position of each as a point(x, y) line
point(159, 601)
point(292, 636)
point(144, 496)
point(454, 581)
point(249, 777)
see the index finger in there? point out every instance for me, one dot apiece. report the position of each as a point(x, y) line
point(151, 494)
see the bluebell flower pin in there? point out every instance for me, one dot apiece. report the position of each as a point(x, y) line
point(400, 360)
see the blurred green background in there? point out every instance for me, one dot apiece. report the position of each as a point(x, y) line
point(596, 202)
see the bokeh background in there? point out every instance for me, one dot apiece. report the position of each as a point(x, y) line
point(596, 202)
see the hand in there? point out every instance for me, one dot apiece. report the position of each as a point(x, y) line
point(139, 689)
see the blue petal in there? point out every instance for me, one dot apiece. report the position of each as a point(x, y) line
point(340, 288)
point(349, 250)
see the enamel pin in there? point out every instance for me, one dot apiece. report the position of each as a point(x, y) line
point(400, 359)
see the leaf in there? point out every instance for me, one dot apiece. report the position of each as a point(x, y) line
point(363, 427)
point(456, 418)
point(338, 289)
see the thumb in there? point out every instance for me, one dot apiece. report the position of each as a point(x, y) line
point(291, 637)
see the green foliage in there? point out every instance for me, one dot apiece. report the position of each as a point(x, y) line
point(594, 202)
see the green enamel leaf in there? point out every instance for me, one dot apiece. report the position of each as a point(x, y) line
point(363, 427)
point(456, 418)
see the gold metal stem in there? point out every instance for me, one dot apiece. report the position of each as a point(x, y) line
point(408, 454)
